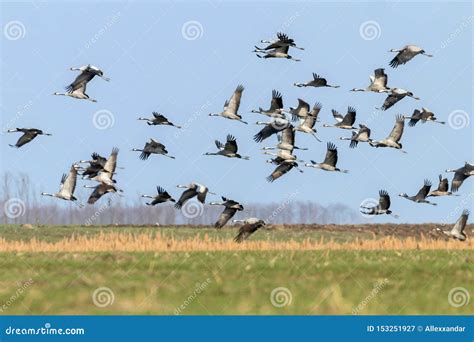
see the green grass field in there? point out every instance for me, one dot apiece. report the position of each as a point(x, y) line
point(315, 282)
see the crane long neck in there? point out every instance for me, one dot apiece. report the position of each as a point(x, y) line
point(48, 194)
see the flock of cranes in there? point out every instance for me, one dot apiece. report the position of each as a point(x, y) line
point(284, 123)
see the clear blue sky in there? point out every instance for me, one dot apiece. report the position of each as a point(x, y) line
point(140, 46)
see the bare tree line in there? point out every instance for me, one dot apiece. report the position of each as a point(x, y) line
point(21, 203)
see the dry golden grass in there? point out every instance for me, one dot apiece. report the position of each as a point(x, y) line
point(144, 242)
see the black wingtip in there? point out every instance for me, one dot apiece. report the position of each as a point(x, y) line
point(238, 239)
point(258, 137)
point(353, 144)
point(331, 146)
point(394, 63)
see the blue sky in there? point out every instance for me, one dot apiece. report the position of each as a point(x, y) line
point(153, 67)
